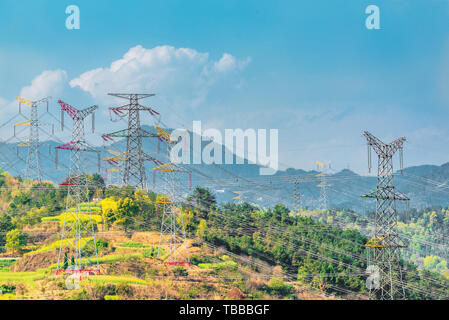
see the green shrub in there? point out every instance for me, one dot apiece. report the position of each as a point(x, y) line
point(124, 289)
point(100, 290)
point(197, 259)
point(132, 245)
point(277, 287)
point(7, 262)
point(180, 271)
point(226, 265)
point(152, 252)
point(4, 289)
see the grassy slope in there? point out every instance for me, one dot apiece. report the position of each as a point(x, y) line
point(129, 272)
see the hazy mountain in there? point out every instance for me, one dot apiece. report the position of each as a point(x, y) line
point(425, 185)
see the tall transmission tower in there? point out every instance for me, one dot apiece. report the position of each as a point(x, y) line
point(33, 162)
point(78, 233)
point(134, 171)
point(323, 202)
point(385, 244)
point(172, 224)
point(297, 201)
point(297, 196)
point(116, 160)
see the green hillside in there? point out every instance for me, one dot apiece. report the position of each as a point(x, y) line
point(236, 251)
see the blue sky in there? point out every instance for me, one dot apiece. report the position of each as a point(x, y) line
point(309, 68)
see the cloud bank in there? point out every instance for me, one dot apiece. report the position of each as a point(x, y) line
point(48, 83)
point(183, 74)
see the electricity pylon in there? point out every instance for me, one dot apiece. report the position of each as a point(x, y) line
point(116, 161)
point(297, 204)
point(33, 163)
point(385, 244)
point(78, 233)
point(323, 201)
point(134, 171)
point(297, 196)
point(172, 224)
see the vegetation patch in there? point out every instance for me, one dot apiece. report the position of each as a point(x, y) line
point(7, 262)
point(116, 279)
point(132, 245)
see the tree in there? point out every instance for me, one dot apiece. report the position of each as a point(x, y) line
point(96, 182)
point(202, 229)
point(109, 207)
point(126, 210)
point(203, 200)
point(281, 213)
point(277, 286)
point(15, 240)
point(5, 225)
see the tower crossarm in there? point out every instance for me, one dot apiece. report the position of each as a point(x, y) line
point(74, 113)
point(116, 158)
point(170, 167)
point(127, 95)
point(395, 145)
point(375, 143)
point(41, 101)
point(119, 110)
point(31, 103)
point(24, 101)
point(163, 135)
point(85, 112)
point(386, 194)
point(23, 124)
point(382, 149)
point(150, 158)
point(126, 133)
point(77, 146)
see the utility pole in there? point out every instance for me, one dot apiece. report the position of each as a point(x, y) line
point(78, 228)
point(33, 163)
point(385, 244)
point(134, 170)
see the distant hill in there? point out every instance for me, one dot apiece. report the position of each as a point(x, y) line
point(425, 185)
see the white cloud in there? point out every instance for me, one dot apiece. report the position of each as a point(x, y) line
point(229, 63)
point(226, 63)
point(48, 83)
point(181, 76)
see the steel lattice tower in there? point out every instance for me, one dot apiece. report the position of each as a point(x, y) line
point(116, 161)
point(172, 224)
point(33, 163)
point(297, 196)
point(134, 170)
point(78, 228)
point(385, 244)
point(297, 204)
point(323, 201)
